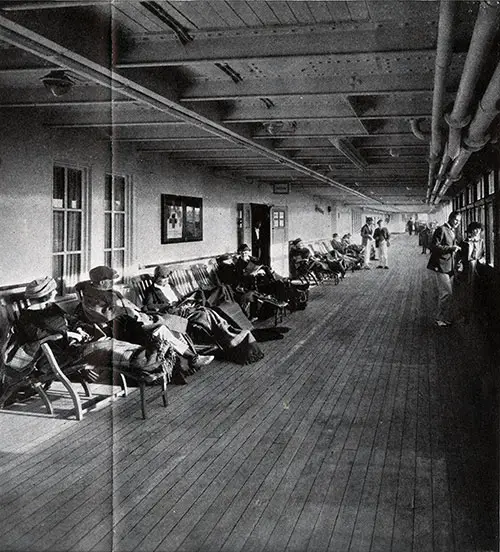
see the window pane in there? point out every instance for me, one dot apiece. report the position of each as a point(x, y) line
point(74, 231)
point(58, 231)
point(119, 203)
point(119, 237)
point(74, 189)
point(108, 186)
point(57, 272)
point(107, 230)
point(58, 188)
point(73, 269)
point(118, 262)
point(107, 258)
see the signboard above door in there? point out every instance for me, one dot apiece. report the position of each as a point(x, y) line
point(281, 188)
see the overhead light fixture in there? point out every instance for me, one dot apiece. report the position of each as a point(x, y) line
point(280, 127)
point(58, 83)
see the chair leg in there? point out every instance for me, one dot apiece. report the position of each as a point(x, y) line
point(64, 380)
point(142, 387)
point(123, 385)
point(43, 395)
point(86, 388)
point(164, 392)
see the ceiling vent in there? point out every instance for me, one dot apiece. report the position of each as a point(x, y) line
point(229, 71)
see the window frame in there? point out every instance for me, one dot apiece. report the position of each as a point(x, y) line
point(63, 288)
point(128, 217)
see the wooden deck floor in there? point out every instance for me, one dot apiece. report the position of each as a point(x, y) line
point(365, 429)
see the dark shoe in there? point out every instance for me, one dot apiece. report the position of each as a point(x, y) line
point(386, 267)
point(380, 266)
point(178, 378)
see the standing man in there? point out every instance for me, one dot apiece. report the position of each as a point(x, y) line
point(256, 240)
point(382, 236)
point(443, 248)
point(410, 226)
point(367, 240)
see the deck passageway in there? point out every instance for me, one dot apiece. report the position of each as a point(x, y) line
point(365, 429)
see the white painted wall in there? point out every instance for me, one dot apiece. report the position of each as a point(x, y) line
point(28, 151)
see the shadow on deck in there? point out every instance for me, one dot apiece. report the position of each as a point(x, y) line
point(365, 429)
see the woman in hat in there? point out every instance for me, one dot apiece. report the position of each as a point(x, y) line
point(72, 341)
point(205, 325)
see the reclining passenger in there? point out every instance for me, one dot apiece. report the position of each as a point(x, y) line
point(251, 275)
point(204, 323)
point(306, 262)
point(228, 278)
point(349, 262)
point(120, 318)
point(72, 341)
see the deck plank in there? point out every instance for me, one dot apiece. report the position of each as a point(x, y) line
point(364, 429)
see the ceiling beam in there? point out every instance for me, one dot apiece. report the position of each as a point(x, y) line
point(282, 88)
point(44, 5)
point(347, 38)
point(34, 43)
point(326, 117)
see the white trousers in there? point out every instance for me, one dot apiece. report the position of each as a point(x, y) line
point(383, 251)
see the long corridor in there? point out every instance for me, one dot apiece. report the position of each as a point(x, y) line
point(365, 429)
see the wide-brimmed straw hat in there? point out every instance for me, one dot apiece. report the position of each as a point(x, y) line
point(41, 287)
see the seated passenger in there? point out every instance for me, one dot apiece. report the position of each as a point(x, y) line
point(204, 324)
point(352, 249)
point(269, 290)
point(337, 244)
point(348, 262)
point(72, 341)
point(228, 278)
point(120, 318)
point(305, 262)
point(251, 274)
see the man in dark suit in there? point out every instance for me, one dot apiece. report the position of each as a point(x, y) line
point(443, 248)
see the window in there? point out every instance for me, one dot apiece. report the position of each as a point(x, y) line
point(489, 234)
point(278, 219)
point(68, 226)
point(491, 183)
point(480, 188)
point(116, 222)
point(181, 219)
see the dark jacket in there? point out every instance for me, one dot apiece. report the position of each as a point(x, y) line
point(442, 250)
point(381, 234)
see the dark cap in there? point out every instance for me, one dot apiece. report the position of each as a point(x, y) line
point(162, 271)
point(41, 287)
point(296, 241)
point(224, 257)
point(243, 247)
point(99, 273)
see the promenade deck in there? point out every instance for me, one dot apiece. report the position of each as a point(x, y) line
point(365, 429)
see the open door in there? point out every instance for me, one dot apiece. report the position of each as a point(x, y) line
point(244, 223)
point(279, 240)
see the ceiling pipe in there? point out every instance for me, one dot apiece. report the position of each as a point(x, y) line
point(482, 38)
point(417, 132)
point(444, 50)
point(477, 135)
point(489, 106)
